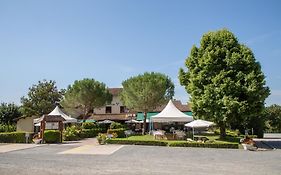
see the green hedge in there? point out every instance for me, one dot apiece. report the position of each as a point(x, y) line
point(7, 128)
point(89, 133)
point(52, 136)
point(89, 125)
point(173, 144)
point(14, 137)
point(231, 139)
point(137, 142)
point(120, 132)
point(72, 133)
point(204, 145)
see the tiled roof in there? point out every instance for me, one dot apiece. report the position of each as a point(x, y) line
point(115, 91)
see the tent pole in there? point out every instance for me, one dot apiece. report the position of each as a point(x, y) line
point(193, 133)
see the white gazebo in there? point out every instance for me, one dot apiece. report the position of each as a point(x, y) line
point(199, 124)
point(171, 114)
point(57, 112)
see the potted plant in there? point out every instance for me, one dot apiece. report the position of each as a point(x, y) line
point(101, 138)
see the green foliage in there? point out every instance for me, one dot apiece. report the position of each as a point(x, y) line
point(72, 133)
point(116, 125)
point(204, 145)
point(13, 137)
point(273, 116)
point(89, 125)
point(120, 132)
point(143, 93)
point(137, 142)
point(102, 138)
point(85, 95)
point(225, 81)
point(8, 112)
point(90, 133)
point(7, 128)
point(52, 136)
point(41, 98)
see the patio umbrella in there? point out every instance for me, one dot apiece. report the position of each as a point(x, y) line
point(199, 124)
point(132, 121)
point(105, 122)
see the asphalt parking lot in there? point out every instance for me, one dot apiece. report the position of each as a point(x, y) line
point(117, 159)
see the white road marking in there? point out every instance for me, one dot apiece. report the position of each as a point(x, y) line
point(14, 147)
point(93, 149)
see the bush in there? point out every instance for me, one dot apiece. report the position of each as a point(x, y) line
point(120, 132)
point(14, 137)
point(204, 145)
point(102, 138)
point(72, 133)
point(231, 139)
point(7, 128)
point(137, 142)
point(89, 133)
point(52, 136)
point(89, 125)
point(116, 125)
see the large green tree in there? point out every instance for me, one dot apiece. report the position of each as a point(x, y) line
point(86, 95)
point(224, 80)
point(143, 93)
point(273, 116)
point(9, 112)
point(41, 98)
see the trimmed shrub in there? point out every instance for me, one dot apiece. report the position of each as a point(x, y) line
point(52, 136)
point(137, 142)
point(89, 125)
point(120, 132)
point(7, 128)
point(231, 139)
point(72, 133)
point(116, 125)
point(89, 133)
point(14, 137)
point(204, 145)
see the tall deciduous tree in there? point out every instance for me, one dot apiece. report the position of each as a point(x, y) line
point(85, 95)
point(273, 116)
point(41, 98)
point(145, 92)
point(224, 80)
point(8, 112)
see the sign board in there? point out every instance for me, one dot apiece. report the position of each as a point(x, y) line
point(52, 125)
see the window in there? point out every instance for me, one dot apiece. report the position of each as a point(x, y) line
point(108, 109)
point(122, 109)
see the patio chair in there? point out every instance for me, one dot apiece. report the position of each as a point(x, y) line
point(180, 135)
point(159, 134)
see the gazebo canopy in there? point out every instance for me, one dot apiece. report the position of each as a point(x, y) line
point(171, 114)
point(50, 118)
point(58, 111)
point(54, 114)
point(199, 124)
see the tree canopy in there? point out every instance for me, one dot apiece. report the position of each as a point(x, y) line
point(41, 98)
point(273, 116)
point(143, 93)
point(224, 80)
point(85, 95)
point(9, 112)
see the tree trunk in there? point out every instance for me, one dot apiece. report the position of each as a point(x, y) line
point(222, 130)
point(144, 123)
point(85, 114)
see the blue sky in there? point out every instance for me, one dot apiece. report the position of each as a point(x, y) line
point(111, 41)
